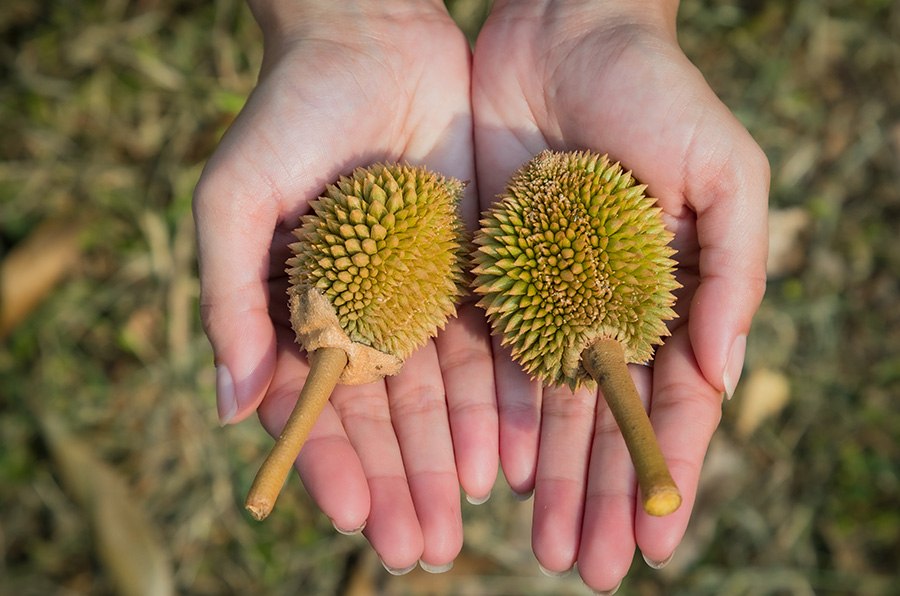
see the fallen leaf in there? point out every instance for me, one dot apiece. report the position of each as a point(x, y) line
point(787, 240)
point(765, 393)
point(34, 267)
point(125, 542)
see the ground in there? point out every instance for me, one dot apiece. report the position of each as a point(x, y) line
point(108, 110)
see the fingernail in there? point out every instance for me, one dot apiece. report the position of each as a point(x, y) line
point(734, 365)
point(476, 501)
point(393, 571)
point(657, 564)
point(549, 573)
point(226, 402)
point(609, 592)
point(436, 568)
point(349, 532)
point(522, 496)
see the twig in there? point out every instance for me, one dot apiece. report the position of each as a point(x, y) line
point(326, 365)
point(605, 362)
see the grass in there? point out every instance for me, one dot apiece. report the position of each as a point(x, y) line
point(107, 113)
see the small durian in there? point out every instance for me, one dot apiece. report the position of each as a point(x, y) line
point(573, 268)
point(376, 271)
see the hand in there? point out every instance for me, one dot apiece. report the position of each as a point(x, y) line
point(344, 85)
point(611, 77)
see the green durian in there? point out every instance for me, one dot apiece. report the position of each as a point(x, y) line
point(376, 271)
point(574, 251)
point(573, 267)
point(384, 247)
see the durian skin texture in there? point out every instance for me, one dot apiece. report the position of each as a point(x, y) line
point(574, 251)
point(383, 246)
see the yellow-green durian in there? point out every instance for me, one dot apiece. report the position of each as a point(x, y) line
point(384, 247)
point(574, 251)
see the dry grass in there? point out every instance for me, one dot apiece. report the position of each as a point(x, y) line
point(107, 113)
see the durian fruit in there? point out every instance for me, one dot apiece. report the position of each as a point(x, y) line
point(376, 271)
point(574, 269)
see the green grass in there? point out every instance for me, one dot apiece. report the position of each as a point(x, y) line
point(108, 111)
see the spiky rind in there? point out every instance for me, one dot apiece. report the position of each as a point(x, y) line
point(574, 251)
point(384, 247)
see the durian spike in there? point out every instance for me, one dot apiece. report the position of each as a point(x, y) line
point(326, 366)
point(604, 360)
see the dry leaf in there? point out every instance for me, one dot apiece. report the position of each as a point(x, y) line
point(34, 267)
point(125, 542)
point(787, 246)
point(765, 393)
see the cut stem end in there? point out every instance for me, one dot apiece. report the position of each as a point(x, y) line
point(664, 501)
point(605, 362)
point(326, 365)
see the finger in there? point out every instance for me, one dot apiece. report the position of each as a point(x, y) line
point(607, 535)
point(392, 527)
point(567, 423)
point(445, 144)
point(465, 358)
point(419, 414)
point(685, 412)
point(233, 237)
point(731, 200)
point(328, 464)
point(519, 413)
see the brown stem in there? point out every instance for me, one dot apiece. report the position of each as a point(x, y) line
point(326, 365)
point(605, 362)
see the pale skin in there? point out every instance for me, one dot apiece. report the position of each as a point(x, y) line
point(393, 83)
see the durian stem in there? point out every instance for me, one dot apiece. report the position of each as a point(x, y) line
point(326, 365)
point(605, 362)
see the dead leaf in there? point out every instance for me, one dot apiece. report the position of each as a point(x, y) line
point(34, 267)
point(787, 240)
point(765, 394)
point(126, 544)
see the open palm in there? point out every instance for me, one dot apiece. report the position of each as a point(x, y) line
point(571, 75)
point(388, 85)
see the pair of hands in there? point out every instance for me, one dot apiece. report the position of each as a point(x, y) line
point(347, 84)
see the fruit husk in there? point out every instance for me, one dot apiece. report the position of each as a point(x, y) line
point(574, 270)
point(572, 252)
point(384, 247)
point(316, 326)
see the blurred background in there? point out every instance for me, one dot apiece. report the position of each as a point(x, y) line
point(114, 473)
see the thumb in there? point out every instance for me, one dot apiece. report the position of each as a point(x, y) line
point(234, 230)
point(731, 202)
